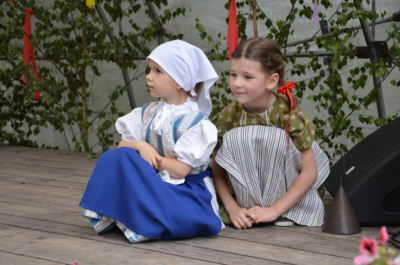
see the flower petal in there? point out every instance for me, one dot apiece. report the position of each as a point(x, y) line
point(384, 236)
point(363, 260)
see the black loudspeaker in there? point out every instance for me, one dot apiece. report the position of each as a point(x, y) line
point(370, 173)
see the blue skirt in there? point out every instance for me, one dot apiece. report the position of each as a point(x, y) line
point(125, 187)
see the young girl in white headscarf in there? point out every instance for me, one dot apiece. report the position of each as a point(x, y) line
point(157, 183)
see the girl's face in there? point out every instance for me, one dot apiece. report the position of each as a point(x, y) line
point(251, 85)
point(160, 84)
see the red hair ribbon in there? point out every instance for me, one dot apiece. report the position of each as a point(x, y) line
point(233, 33)
point(28, 54)
point(285, 90)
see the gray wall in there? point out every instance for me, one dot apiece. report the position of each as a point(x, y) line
point(212, 15)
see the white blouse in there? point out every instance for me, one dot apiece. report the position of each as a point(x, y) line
point(194, 147)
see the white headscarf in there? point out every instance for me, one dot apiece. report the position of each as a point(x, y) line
point(187, 65)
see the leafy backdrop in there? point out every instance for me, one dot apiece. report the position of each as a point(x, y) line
point(73, 46)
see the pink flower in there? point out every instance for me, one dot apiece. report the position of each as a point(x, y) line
point(368, 252)
point(384, 236)
point(372, 252)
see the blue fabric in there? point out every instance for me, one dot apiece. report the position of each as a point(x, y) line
point(126, 188)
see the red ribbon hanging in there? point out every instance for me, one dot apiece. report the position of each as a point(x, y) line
point(28, 54)
point(233, 33)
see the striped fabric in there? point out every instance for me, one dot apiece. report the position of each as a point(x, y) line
point(99, 222)
point(179, 128)
point(262, 168)
point(130, 235)
point(164, 143)
point(103, 224)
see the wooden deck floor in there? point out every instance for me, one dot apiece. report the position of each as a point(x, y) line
point(40, 224)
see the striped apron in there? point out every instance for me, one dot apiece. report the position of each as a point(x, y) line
point(262, 168)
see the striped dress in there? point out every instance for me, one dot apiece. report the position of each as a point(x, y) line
point(262, 162)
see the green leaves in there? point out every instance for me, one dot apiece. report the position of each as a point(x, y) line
point(338, 85)
point(72, 39)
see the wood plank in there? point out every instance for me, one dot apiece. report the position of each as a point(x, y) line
point(22, 259)
point(29, 152)
point(62, 166)
point(69, 217)
point(219, 246)
point(46, 158)
point(63, 249)
point(37, 178)
point(260, 235)
point(37, 195)
point(40, 192)
point(79, 236)
point(261, 239)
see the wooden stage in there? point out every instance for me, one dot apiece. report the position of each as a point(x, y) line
point(40, 223)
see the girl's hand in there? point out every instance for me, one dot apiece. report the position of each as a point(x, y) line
point(240, 218)
point(263, 214)
point(148, 153)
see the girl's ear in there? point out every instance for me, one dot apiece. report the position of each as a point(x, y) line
point(273, 81)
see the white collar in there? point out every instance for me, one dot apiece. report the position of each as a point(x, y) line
point(166, 114)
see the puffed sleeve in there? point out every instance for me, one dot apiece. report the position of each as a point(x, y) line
point(225, 120)
point(195, 146)
point(130, 126)
point(302, 130)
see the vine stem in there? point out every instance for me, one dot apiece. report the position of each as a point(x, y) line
point(85, 128)
point(255, 18)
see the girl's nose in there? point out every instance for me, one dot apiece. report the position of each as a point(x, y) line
point(237, 82)
point(148, 77)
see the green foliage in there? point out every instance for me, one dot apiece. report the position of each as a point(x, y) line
point(333, 89)
point(71, 39)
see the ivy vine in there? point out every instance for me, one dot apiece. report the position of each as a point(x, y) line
point(330, 88)
point(71, 38)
